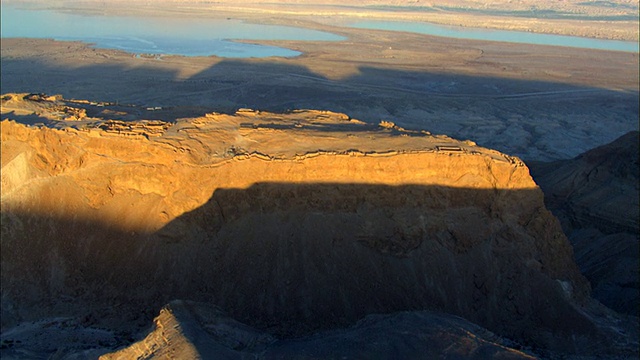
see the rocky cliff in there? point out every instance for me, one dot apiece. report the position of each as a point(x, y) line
point(291, 223)
point(189, 330)
point(596, 197)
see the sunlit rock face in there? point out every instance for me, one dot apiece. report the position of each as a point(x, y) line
point(291, 223)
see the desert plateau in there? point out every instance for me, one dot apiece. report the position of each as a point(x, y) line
point(314, 187)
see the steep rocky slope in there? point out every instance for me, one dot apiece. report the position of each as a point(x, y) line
point(596, 198)
point(291, 223)
point(192, 330)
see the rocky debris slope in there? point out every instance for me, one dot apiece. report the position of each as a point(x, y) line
point(292, 223)
point(189, 330)
point(596, 197)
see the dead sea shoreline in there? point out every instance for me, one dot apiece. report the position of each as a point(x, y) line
point(319, 15)
point(527, 101)
point(538, 102)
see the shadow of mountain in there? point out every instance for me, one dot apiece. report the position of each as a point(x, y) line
point(292, 259)
point(66, 266)
point(541, 120)
point(30, 119)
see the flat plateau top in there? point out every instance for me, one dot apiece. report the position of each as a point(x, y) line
point(214, 137)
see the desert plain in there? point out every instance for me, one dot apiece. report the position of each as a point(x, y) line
point(315, 198)
point(536, 102)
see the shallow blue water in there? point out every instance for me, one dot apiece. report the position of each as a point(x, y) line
point(157, 35)
point(461, 32)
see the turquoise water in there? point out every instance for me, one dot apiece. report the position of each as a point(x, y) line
point(521, 37)
point(157, 35)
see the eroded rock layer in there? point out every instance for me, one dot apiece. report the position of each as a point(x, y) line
point(292, 223)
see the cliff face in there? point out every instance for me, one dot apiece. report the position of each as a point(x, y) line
point(322, 255)
point(291, 223)
point(596, 196)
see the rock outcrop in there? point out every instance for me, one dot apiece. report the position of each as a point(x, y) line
point(596, 197)
point(292, 224)
point(188, 330)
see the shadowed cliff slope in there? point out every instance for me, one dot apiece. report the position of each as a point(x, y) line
point(196, 330)
point(297, 257)
point(292, 223)
point(596, 197)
